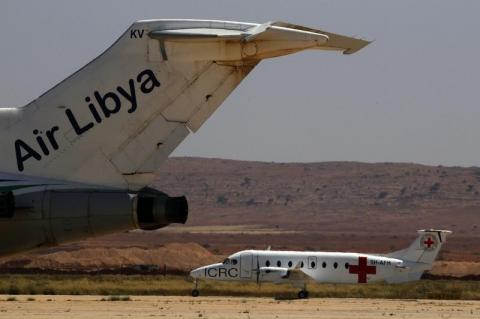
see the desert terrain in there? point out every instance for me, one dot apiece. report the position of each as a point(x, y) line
point(334, 206)
point(52, 307)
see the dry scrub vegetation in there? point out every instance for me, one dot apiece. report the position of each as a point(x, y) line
point(118, 285)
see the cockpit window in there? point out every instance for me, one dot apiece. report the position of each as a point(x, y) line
point(228, 261)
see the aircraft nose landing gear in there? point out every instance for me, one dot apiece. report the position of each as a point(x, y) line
point(195, 292)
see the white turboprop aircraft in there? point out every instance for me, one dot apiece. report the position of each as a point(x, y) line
point(76, 162)
point(297, 268)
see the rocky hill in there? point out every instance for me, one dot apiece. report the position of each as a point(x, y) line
point(342, 206)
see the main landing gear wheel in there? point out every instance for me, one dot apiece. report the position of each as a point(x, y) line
point(195, 293)
point(302, 294)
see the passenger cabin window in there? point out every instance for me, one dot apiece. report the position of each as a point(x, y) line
point(335, 265)
point(267, 263)
point(302, 265)
point(279, 263)
point(324, 265)
point(312, 264)
point(290, 264)
point(347, 265)
point(234, 261)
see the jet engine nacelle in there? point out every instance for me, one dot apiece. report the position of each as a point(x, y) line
point(52, 217)
point(155, 209)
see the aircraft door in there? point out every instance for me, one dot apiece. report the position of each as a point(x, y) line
point(246, 261)
point(312, 262)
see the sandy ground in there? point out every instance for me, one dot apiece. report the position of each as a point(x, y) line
point(53, 307)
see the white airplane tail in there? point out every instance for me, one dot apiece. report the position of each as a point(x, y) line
point(425, 248)
point(116, 120)
point(420, 256)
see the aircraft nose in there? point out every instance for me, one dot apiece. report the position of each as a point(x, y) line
point(197, 273)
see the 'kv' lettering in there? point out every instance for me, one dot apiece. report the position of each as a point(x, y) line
point(136, 34)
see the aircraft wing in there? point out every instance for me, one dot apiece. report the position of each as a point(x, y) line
point(280, 274)
point(115, 121)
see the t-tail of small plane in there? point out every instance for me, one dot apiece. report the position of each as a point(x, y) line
point(420, 255)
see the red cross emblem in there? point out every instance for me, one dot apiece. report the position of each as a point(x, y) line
point(428, 242)
point(362, 270)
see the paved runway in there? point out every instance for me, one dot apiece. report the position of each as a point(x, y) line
point(92, 307)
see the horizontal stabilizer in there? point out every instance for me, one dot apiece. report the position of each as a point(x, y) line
point(348, 45)
point(259, 41)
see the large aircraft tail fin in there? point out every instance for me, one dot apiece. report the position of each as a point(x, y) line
point(425, 248)
point(115, 121)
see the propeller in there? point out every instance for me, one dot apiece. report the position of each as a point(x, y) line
point(257, 270)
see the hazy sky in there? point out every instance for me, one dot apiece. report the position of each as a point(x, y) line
point(411, 96)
